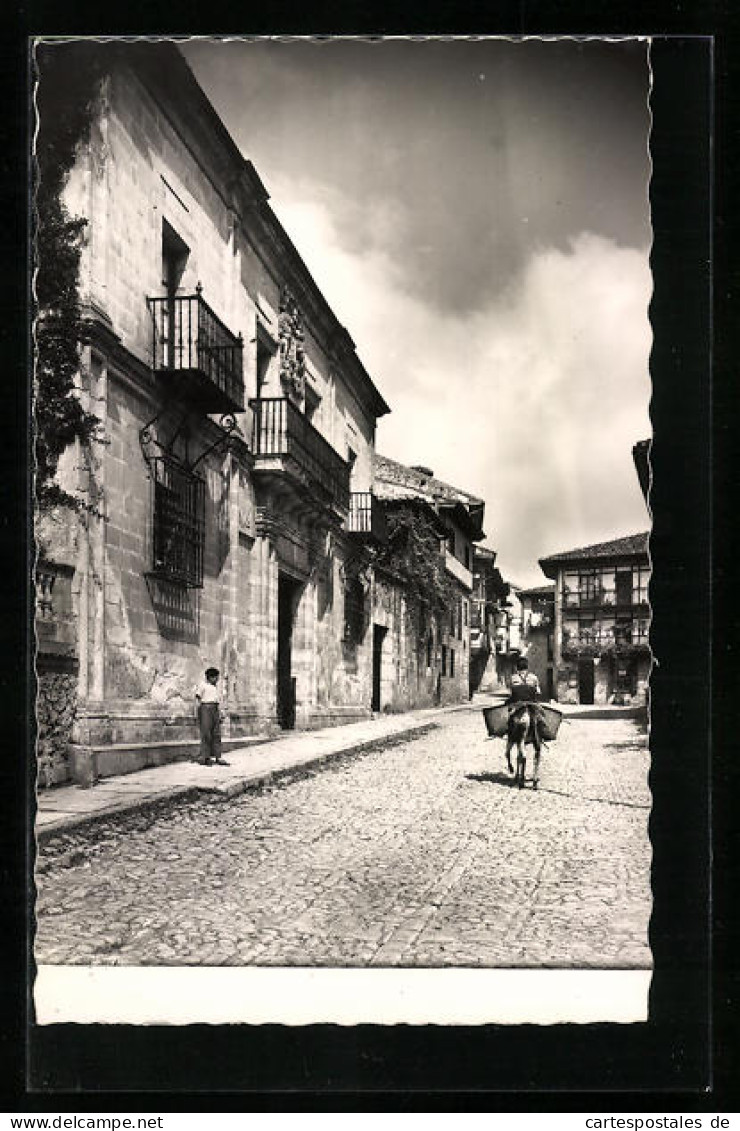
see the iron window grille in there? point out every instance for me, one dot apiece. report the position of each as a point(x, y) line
point(179, 523)
point(354, 612)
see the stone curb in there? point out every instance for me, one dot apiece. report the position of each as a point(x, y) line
point(228, 790)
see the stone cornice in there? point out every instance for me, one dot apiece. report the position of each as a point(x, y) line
point(98, 332)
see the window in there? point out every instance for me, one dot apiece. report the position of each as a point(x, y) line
point(351, 460)
point(452, 661)
point(642, 580)
point(265, 353)
point(313, 400)
point(450, 541)
point(175, 254)
point(444, 659)
point(588, 585)
point(354, 612)
point(465, 613)
point(429, 650)
point(179, 523)
point(623, 586)
point(467, 556)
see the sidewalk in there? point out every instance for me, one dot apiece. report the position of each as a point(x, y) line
point(69, 806)
point(257, 762)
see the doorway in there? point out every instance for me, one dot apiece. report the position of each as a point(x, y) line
point(288, 591)
point(175, 254)
point(378, 636)
point(586, 680)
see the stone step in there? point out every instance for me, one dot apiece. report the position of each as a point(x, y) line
point(89, 764)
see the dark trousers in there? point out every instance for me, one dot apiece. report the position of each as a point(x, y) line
point(209, 722)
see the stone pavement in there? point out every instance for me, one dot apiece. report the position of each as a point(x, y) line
point(415, 853)
point(257, 762)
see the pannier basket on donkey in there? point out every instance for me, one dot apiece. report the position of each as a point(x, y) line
point(521, 724)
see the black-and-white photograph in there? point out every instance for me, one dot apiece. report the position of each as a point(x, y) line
point(342, 530)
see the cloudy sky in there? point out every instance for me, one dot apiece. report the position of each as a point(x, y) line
point(477, 215)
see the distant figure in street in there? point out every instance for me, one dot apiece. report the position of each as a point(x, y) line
point(525, 687)
point(208, 706)
point(524, 720)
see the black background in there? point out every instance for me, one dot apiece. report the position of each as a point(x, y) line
point(682, 1059)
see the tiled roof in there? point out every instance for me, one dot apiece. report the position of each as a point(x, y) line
point(393, 479)
point(539, 590)
point(618, 548)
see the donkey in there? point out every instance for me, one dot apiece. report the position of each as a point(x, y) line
point(523, 729)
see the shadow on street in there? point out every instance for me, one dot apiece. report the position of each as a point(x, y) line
point(600, 800)
point(493, 779)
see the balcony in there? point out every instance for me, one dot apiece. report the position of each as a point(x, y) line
point(366, 517)
point(597, 641)
point(285, 443)
point(197, 354)
point(606, 599)
point(458, 570)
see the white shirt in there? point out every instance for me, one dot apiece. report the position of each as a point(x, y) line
point(207, 692)
point(526, 677)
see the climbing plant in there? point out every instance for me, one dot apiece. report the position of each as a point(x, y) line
point(412, 553)
point(67, 79)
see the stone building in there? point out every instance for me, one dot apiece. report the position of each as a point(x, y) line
point(488, 616)
point(432, 655)
point(231, 518)
point(537, 634)
point(601, 621)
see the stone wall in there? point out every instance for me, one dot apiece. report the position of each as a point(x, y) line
point(567, 682)
point(56, 664)
point(56, 706)
point(537, 653)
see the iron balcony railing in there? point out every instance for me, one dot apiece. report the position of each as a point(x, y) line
point(282, 431)
point(366, 516)
point(605, 638)
point(190, 338)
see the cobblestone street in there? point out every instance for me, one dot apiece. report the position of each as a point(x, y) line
point(417, 854)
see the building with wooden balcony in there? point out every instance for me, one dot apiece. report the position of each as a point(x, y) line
point(230, 517)
point(432, 654)
point(488, 616)
point(602, 621)
point(538, 634)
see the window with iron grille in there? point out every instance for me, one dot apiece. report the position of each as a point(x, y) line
point(354, 612)
point(178, 535)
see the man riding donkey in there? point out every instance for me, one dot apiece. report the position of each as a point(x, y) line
point(525, 721)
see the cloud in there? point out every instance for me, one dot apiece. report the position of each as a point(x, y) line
point(533, 402)
point(455, 160)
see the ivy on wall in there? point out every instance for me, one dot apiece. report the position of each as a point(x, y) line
point(67, 81)
point(412, 553)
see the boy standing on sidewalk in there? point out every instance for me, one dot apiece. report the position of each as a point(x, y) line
point(208, 705)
